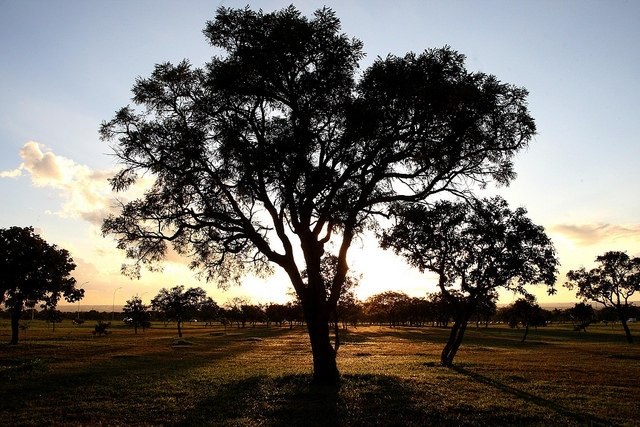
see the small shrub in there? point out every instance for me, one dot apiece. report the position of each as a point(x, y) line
point(101, 328)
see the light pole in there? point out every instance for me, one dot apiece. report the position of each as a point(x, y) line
point(78, 314)
point(113, 306)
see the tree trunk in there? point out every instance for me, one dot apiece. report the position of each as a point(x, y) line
point(623, 319)
point(15, 325)
point(526, 332)
point(325, 368)
point(455, 339)
point(179, 329)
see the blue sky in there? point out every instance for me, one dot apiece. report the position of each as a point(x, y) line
point(68, 65)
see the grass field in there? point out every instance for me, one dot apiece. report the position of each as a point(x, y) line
point(261, 376)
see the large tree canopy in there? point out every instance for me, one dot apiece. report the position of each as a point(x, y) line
point(611, 283)
point(33, 271)
point(278, 146)
point(475, 248)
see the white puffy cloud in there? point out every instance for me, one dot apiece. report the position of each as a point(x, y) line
point(85, 192)
point(14, 173)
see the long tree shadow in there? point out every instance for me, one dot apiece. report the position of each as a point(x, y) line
point(581, 418)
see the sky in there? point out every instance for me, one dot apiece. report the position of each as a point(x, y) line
point(67, 66)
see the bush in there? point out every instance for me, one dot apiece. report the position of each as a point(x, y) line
point(101, 328)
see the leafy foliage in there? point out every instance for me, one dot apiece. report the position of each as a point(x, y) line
point(612, 283)
point(475, 248)
point(276, 144)
point(137, 313)
point(33, 271)
point(179, 304)
point(526, 312)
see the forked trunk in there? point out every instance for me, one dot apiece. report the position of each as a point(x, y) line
point(455, 339)
point(623, 319)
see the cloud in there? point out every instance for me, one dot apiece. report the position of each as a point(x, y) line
point(85, 192)
point(11, 173)
point(591, 234)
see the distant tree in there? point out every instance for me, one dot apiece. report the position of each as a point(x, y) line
point(388, 306)
point(485, 310)
point(53, 317)
point(253, 313)
point(476, 248)
point(234, 310)
point(281, 143)
point(611, 284)
point(349, 309)
point(442, 310)
point(526, 312)
point(137, 313)
point(581, 315)
point(33, 271)
point(276, 313)
point(209, 311)
point(179, 304)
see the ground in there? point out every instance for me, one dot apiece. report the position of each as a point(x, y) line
point(261, 376)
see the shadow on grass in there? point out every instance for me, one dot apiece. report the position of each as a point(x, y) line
point(580, 418)
point(292, 400)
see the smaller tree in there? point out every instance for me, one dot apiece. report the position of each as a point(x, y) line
point(53, 317)
point(526, 312)
point(209, 311)
point(485, 310)
point(33, 271)
point(179, 304)
point(137, 313)
point(611, 283)
point(475, 248)
point(389, 306)
point(581, 315)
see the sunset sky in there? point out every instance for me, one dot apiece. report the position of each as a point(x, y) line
point(69, 65)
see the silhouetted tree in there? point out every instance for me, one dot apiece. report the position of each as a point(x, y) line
point(475, 247)
point(388, 306)
point(234, 310)
point(33, 271)
point(442, 309)
point(581, 315)
point(485, 310)
point(526, 312)
point(179, 304)
point(276, 313)
point(280, 142)
point(137, 313)
point(611, 284)
point(52, 316)
point(253, 314)
point(209, 311)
